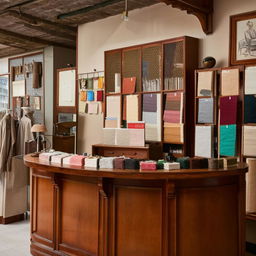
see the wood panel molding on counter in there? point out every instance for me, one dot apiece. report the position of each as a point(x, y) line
point(84, 212)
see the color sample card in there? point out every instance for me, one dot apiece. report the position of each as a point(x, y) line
point(90, 95)
point(113, 107)
point(228, 140)
point(250, 80)
point(204, 141)
point(132, 108)
point(205, 111)
point(228, 110)
point(205, 83)
point(249, 140)
point(230, 82)
point(151, 115)
point(250, 109)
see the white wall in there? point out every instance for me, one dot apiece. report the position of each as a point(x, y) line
point(146, 25)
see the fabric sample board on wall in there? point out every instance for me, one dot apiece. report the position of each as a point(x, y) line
point(204, 141)
point(251, 185)
point(205, 83)
point(250, 109)
point(228, 140)
point(129, 85)
point(173, 133)
point(132, 108)
point(228, 110)
point(173, 112)
point(151, 114)
point(230, 82)
point(205, 111)
point(113, 107)
point(250, 80)
point(249, 140)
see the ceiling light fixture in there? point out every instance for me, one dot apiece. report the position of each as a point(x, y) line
point(125, 13)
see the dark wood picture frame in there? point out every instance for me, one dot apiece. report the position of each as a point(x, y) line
point(243, 43)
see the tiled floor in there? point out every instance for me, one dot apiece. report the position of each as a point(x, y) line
point(15, 239)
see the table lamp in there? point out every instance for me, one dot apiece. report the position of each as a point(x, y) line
point(38, 128)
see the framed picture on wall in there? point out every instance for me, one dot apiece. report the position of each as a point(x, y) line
point(35, 102)
point(243, 38)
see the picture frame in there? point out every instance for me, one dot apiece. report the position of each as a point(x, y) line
point(242, 48)
point(35, 102)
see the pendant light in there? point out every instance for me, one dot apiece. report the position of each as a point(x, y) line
point(125, 13)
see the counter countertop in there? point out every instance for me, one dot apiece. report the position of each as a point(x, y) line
point(33, 162)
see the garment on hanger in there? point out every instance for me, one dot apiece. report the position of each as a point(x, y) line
point(7, 142)
point(24, 134)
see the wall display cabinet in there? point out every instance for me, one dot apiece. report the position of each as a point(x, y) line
point(162, 75)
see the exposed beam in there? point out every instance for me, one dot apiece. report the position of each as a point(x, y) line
point(15, 38)
point(202, 9)
point(10, 51)
point(41, 22)
point(50, 32)
point(88, 9)
point(20, 4)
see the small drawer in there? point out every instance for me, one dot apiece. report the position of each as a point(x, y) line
point(137, 154)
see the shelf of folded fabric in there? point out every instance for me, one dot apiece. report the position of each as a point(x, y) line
point(251, 216)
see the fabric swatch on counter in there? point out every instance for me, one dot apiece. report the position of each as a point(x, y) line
point(250, 109)
point(228, 140)
point(204, 141)
point(228, 110)
point(205, 111)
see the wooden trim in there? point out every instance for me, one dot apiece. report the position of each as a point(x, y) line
point(12, 219)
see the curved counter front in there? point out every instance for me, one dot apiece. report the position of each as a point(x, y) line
point(84, 212)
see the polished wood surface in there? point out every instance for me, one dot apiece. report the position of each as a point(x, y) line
point(85, 212)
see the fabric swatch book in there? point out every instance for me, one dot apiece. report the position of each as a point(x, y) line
point(228, 110)
point(129, 85)
point(205, 111)
point(250, 80)
point(228, 140)
point(230, 82)
point(250, 109)
point(205, 83)
point(113, 108)
point(204, 141)
point(132, 108)
point(249, 140)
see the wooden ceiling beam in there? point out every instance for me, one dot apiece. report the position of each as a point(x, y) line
point(10, 51)
point(32, 20)
point(26, 40)
point(202, 9)
point(50, 32)
point(88, 9)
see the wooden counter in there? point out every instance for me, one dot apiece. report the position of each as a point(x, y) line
point(84, 212)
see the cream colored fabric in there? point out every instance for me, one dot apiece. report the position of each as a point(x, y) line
point(7, 141)
point(230, 82)
point(13, 189)
point(24, 134)
point(251, 185)
point(249, 140)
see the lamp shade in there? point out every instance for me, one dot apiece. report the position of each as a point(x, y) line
point(38, 128)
